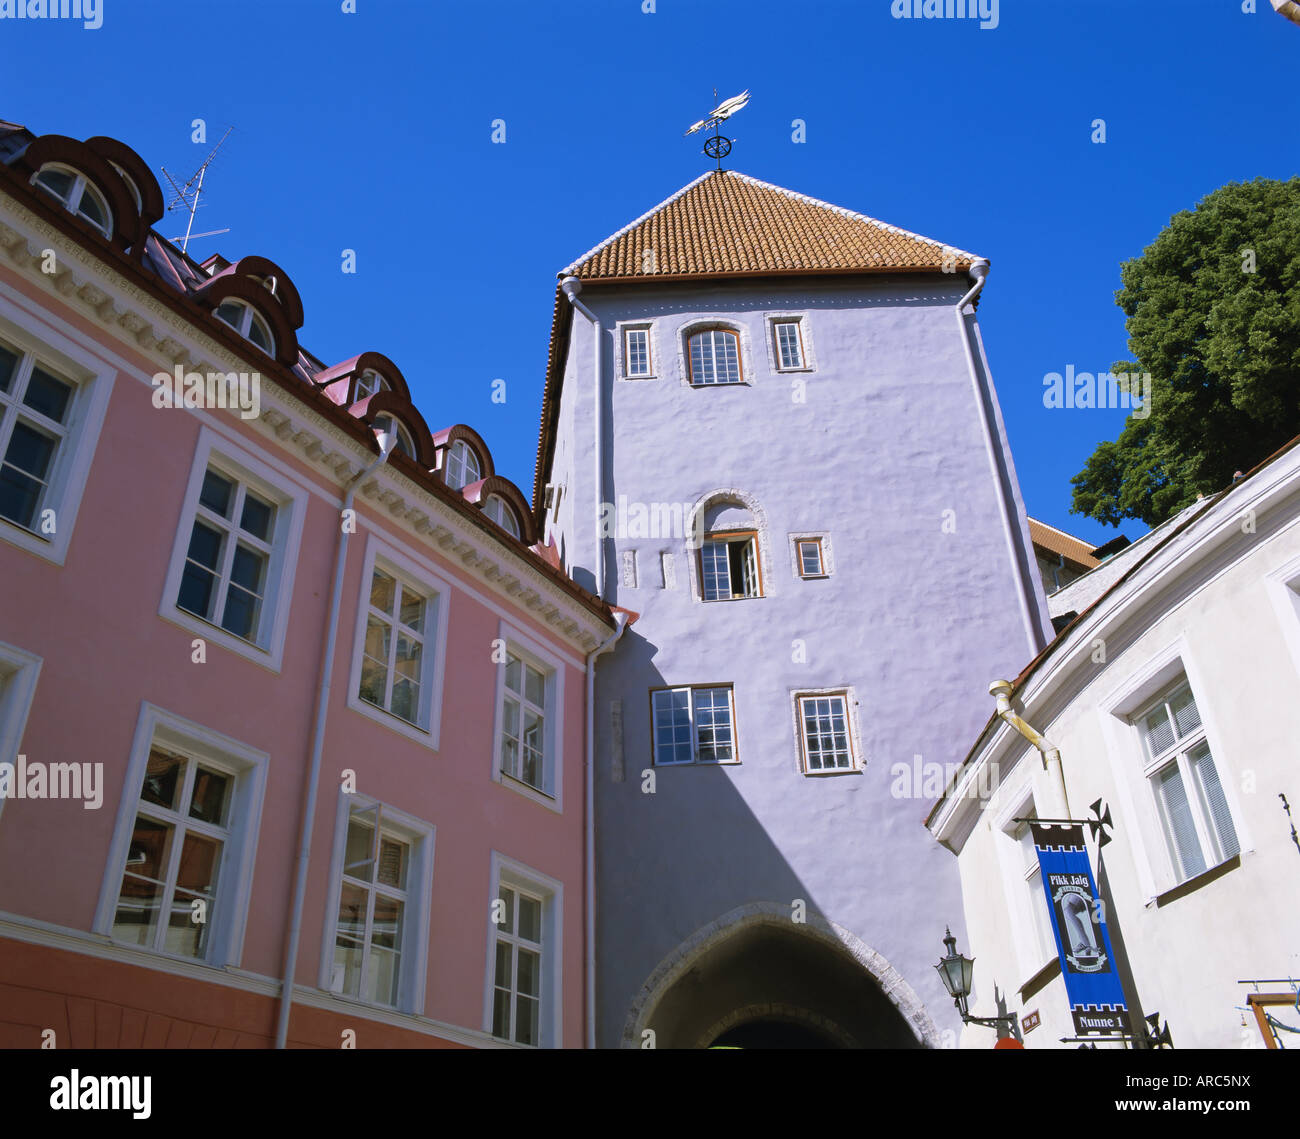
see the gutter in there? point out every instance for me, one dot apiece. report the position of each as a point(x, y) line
point(1035, 634)
point(386, 443)
point(1001, 691)
point(572, 287)
point(621, 618)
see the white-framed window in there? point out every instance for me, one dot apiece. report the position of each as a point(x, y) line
point(826, 733)
point(811, 562)
point(377, 923)
point(502, 513)
point(77, 193)
point(19, 671)
point(729, 566)
point(637, 361)
point(693, 725)
point(1029, 884)
point(405, 444)
point(232, 569)
point(528, 730)
point(462, 466)
point(522, 998)
point(713, 356)
point(53, 399)
point(399, 649)
point(1185, 784)
point(788, 344)
point(248, 322)
point(369, 383)
point(179, 872)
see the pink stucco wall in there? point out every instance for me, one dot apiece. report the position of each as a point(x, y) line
point(95, 622)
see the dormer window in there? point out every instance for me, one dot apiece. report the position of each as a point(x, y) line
point(502, 514)
point(246, 320)
point(404, 442)
point(462, 466)
point(131, 186)
point(370, 383)
point(78, 195)
point(714, 357)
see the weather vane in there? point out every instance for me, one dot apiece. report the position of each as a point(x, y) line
point(719, 145)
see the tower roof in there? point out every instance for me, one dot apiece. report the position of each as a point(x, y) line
point(728, 224)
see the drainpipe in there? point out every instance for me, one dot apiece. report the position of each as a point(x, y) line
point(572, 287)
point(1001, 691)
point(620, 623)
point(386, 443)
point(979, 271)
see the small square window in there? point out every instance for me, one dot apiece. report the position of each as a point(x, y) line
point(693, 725)
point(811, 563)
point(789, 344)
point(825, 733)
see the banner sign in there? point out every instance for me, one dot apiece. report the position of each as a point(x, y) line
point(1078, 923)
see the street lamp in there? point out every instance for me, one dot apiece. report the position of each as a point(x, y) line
point(956, 970)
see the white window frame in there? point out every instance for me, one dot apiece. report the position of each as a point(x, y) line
point(369, 383)
point(771, 321)
point(81, 185)
point(845, 693)
point(823, 541)
point(731, 538)
point(725, 323)
point(1034, 942)
point(723, 330)
point(246, 321)
point(157, 727)
point(419, 897)
point(70, 473)
point(695, 760)
point(546, 661)
point(625, 329)
point(437, 590)
point(505, 871)
point(19, 672)
point(1156, 873)
point(446, 464)
point(405, 443)
point(502, 511)
point(1208, 842)
point(290, 500)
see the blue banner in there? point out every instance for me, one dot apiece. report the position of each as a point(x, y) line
point(1092, 983)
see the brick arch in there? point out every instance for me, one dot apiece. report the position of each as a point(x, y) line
point(776, 914)
point(722, 496)
point(775, 1010)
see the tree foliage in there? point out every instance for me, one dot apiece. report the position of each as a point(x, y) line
point(1213, 314)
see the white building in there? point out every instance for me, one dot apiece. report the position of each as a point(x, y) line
point(1174, 698)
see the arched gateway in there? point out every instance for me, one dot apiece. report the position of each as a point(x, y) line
point(755, 978)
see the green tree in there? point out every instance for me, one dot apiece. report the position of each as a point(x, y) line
point(1213, 308)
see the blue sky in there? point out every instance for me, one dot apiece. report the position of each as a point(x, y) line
point(373, 131)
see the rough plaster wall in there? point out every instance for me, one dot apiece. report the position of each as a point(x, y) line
point(917, 620)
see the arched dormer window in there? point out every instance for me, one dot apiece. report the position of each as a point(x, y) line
point(248, 322)
point(729, 554)
point(462, 466)
point(131, 186)
point(370, 383)
point(405, 443)
point(713, 357)
point(78, 195)
point(502, 513)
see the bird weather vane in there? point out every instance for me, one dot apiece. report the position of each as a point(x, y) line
point(718, 145)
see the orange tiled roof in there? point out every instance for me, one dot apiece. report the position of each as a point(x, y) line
point(726, 223)
point(1060, 543)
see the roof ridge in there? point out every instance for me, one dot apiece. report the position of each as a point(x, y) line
point(568, 269)
point(845, 212)
point(1058, 530)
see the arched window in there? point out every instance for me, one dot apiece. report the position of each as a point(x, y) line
point(131, 186)
point(370, 383)
point(502, 514)
point(248, 322)
point(714, 357)
point(77, 194)
point(404, 442)
point(461, 466)
point(729, 563)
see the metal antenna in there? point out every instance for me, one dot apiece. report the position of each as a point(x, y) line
point(189, 198)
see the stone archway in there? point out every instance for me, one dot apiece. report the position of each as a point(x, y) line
point(754, 965)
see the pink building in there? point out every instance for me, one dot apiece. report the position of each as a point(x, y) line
point(170, 575)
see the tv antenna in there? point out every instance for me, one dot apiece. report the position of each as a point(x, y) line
point(188, 195)
point(719, 145)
